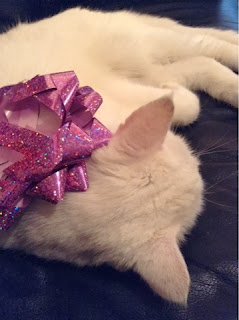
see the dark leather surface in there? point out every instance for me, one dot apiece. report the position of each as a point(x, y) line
point(32, 288)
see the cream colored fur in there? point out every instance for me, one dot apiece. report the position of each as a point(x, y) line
point(145, 188)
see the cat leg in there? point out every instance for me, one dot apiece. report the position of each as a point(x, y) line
point(186, 104)
point(198, 73)
point(219, 50)
point(226, 35)
point(178, 46)
point(128, 96)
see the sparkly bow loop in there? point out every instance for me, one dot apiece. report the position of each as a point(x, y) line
point(47, 129)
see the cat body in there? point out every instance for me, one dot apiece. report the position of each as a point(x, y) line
point(145, 187)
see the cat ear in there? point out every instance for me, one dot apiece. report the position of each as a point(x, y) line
point(163, 267)
point(146, 128)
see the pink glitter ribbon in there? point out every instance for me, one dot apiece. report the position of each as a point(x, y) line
point(47, 129)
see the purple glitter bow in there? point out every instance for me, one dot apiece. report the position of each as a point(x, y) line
point(46, 130)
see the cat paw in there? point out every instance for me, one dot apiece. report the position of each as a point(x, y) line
point(186, 104)
point(233, 57)
point(228, 90)
point(226, 35)
point(234, 94)
point(229, 36)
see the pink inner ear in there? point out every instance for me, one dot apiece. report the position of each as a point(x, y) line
point(162, 265)
point(146, 128)
point(165, 270)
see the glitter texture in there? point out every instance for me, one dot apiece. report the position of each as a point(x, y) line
point(52, 188)
point(77, 179)
point(50, 154)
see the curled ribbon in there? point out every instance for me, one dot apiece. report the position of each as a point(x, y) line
point(47, 129)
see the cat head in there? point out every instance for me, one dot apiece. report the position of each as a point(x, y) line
point(147, 186)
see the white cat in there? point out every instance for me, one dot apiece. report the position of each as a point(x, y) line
point(145, 188)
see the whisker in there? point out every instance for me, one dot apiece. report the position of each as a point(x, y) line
point(215, 143)
point(219, 204)
point(209, 149)
point(206, 192)
point(230, 175)
point(219, 151)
